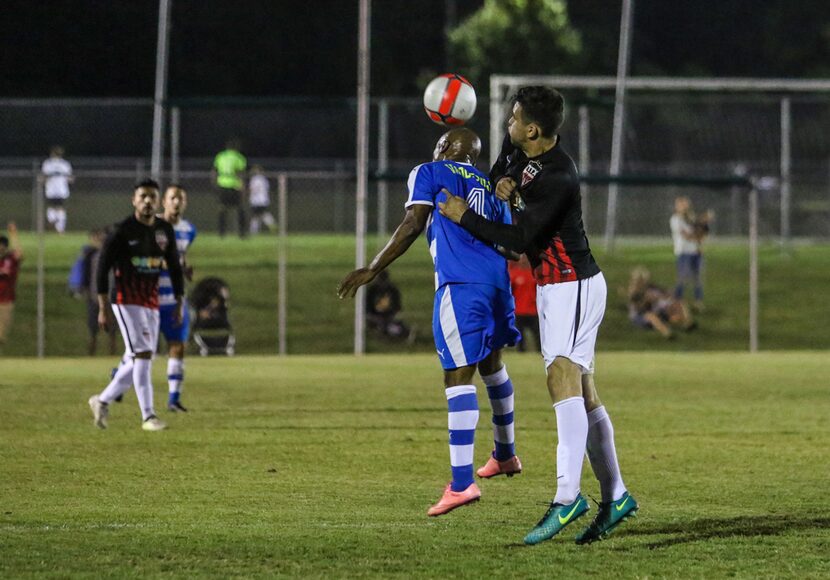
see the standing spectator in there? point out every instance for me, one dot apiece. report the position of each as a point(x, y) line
point(56, 175)
point(688, 233)
point(229, 176)
point(260, 200)
point(10, 257)
point(524, 293)
point(89, 289)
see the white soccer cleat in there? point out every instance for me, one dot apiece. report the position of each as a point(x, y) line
point(100, 412)
point(153, 423)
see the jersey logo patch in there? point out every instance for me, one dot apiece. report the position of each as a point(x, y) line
point(531, 170)
point(161, 240)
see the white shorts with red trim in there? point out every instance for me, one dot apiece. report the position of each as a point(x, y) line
point(569, 317)
point(139, 327)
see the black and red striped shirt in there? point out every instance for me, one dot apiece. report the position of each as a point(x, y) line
point(548, 228)
point(137, 253)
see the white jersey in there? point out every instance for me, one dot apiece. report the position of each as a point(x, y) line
point(682, 245)
point(57, 171)
point(259, 188)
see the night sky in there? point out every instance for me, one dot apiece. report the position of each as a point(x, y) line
point(290, 47)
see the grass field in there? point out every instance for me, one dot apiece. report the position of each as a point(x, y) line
point(320, 323)
point(324, 467)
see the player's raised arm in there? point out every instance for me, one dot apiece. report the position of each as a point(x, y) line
point(407, 232)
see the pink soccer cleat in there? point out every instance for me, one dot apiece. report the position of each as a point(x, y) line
point(494, 467)
point(453, 499)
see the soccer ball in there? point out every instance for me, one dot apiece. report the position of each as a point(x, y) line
point(450, 100)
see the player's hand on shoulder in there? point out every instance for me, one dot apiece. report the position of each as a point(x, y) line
point(506, 188)
point(354, 280)
point(454, 207)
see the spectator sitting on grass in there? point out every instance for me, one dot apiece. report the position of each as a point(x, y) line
point(651, 306)
point(383, 303)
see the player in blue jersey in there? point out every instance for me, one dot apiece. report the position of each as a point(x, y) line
point(175, 332)
point(473, 315)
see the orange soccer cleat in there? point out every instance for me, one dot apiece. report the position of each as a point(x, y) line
point(494, 467)
point(453, 499)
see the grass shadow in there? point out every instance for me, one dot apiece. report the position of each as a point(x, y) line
point(705, 529)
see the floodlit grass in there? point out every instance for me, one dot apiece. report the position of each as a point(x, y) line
point(791, 288)
point(324, 467)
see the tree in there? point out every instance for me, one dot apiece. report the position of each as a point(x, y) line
point(516, 37)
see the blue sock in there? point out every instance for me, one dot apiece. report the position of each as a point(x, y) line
point(173, 398)
point(462, 421)
point(500, 391)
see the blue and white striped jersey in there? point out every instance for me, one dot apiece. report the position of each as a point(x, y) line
point(185, 234)
point(458, 256)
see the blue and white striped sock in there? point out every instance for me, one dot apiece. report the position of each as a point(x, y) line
point(500, 391)
point(463, 418)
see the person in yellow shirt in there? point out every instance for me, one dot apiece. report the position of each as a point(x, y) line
point(229, 167)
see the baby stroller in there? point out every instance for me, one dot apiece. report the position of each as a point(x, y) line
point(211, 328)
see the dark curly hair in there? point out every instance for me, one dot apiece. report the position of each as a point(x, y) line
point(543, 106)
point(151, 183)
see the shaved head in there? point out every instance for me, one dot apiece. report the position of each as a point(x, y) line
point(460, 144)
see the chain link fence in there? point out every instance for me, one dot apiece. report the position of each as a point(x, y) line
point(308, 146)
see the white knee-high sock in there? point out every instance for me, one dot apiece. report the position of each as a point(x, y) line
point(120, 382)
point(572, 427)
point(175, 374)
point(144, 386)
point(60, 223)
point(603, 455)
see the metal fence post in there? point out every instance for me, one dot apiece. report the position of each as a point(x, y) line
point(41, 265)
point(383, 167)
point(753, 270)
point(282, 220)
point(175, 143)
point(584, 157)
point(786, 164)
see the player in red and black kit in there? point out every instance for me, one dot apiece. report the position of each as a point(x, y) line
point(137, 250)
point(542, 182)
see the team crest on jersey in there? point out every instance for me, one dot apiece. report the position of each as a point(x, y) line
point(161, 240)
point(531, 170)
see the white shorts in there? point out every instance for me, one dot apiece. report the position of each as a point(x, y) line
point(569, 317)
point(139, 327)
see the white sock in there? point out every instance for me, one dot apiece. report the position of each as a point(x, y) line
point(175, 374)
point(120, 382)
point(51, 216)
point(572, 427)
point(144, 386)
point(603, 455)
point(60, 223)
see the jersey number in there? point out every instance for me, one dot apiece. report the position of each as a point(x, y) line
point(475, 200)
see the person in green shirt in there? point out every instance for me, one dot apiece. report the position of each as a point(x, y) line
point(228, 174)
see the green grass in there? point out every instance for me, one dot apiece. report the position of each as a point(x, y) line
point(324, 467)
point(320, 323)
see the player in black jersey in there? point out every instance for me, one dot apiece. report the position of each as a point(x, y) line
point(137, 250)
point(542, 182)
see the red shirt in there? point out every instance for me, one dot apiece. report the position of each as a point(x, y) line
point(9, 266)
point(524, 288)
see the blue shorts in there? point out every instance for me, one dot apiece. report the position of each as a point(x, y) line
point(470, 321)
point(171, 331)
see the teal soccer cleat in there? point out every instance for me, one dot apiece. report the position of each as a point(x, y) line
point(556, 518)
point(610, 515)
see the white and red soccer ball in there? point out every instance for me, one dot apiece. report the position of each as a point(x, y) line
point(450, 99)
